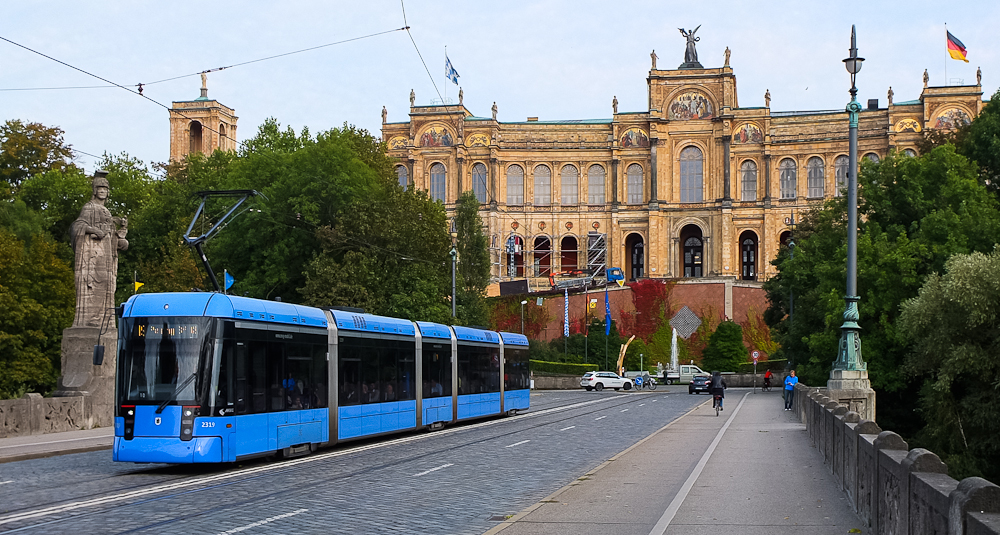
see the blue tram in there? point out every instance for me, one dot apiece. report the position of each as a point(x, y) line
point(208, 377)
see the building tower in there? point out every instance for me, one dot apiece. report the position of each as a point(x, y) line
point(201, 125)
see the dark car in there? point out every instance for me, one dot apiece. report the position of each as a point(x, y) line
point(699, 383)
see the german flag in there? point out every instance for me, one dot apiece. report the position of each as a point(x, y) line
point(956, 48)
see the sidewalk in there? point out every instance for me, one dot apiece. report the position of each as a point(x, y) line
point(36, 446)
point(751, 470)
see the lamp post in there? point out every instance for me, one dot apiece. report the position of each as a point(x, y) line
point(454, 260)
point(522, 315)
point(849, 382)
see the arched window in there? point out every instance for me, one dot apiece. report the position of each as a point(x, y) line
point(748, 256)
point(223, 145)
point(872, 157)
point(514, 247)
point(595, 185)
point(692, 170)
point(910, 152)
point(786, 176)
point(636, 261)
point(569, 257)
point(633, 177)
point(515, 185)
point(543, 186)
point(692, 257)
point(748, 171)
point(570, 185)
point(479, 182)
point(542, 261)
point(437, 182)
point(403, 176)
point(195, 131)
point(840, 167)
point(814, 177)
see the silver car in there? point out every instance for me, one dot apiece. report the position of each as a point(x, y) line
point(601, 380)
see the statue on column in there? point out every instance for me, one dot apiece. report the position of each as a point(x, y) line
point(979, 76)
point(97, 238)
point(767, 98)
point(494, 111)
point(727, 56)
point(614, 104)
point(653, 56)
point(385, 114)
point(927, 78)
point(413, 98)
point(461, 96)
point(890, 95)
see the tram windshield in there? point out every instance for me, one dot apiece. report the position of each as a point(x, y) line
point(164, 360)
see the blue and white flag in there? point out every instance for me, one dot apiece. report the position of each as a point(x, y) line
point(449, 71)
point(566, 313)
point(229, 280)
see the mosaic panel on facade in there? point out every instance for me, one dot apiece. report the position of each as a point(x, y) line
point(952, 118)
point(690, 105)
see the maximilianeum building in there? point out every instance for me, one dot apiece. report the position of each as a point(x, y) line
point(696, 186)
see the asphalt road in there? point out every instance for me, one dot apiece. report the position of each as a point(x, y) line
point(462, 479)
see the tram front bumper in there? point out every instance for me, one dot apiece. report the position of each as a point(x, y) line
point(168, 450)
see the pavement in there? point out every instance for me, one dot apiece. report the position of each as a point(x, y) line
point(37, 446)
point(751, 470)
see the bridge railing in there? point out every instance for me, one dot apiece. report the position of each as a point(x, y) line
point(893, 488)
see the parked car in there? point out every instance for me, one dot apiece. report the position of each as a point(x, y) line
point(601, 380)
point(699, 383)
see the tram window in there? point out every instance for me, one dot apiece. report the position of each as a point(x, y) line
point(349, 373)
point(275, 377)
point(241, 378)
point(224, 394)
point(478, 369)
point(516, 369)
point(258, 378)
point(437, 370)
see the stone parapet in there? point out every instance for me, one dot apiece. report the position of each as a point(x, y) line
point(35, 415)
point(893, 488)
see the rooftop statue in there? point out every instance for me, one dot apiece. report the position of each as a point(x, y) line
point(690, 54)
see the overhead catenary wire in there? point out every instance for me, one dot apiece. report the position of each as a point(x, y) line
point(206, 71)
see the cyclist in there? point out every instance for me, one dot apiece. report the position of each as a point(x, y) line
point(767, 379)
point(717, 388)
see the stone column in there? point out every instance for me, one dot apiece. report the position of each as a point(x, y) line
point(726, 198)
point(614, 184)
point(767, 180)
point(653, 142)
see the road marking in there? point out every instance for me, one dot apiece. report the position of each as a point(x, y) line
point(563, 429)
point(518, 443)
point(5, 482)
point(661, 526)
point(653, 400)
point(425, 472)
point(221, 477)
point(600, 418)
point(642, 404)
point(624, 410)
point(262, 522)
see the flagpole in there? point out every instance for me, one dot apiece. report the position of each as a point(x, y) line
point(445, 99)
point(135, 279)
point(949, 53)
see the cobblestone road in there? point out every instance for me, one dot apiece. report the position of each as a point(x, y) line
point(458, 480)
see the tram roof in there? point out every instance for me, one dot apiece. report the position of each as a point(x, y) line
point(353, 321)
point(214, 304)
point(469, 334)
point(514, 339)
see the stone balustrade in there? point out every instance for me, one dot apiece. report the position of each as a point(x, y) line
point(893, 488)
point(35, 415)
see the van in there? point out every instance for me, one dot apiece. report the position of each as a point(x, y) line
point(689, 371)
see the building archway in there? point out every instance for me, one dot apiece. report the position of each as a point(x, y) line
point(748, 255)
point(569, 252)
point(635, 257)
point(692, 252)
point(542, 257)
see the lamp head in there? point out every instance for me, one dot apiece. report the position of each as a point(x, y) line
point(524, 302)
point(853, 62)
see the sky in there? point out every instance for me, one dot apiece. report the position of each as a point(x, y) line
point(551, 59)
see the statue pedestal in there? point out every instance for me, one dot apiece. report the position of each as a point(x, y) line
point(852, 389)
point(81, 378)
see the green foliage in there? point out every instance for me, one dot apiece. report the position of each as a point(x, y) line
point(473, 269)
point(954, 327)
point(982, 144)
point(59, 195)
point(725, 351)
point(565, 368)
point(37, 297)
point(28, 149)
point(914, 214)
point(505, 315)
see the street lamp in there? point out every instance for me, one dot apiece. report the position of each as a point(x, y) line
point(849, 357)
point(454, 258)
point(522, 315)
point(849, 383)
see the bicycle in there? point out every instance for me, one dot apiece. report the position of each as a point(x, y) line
point(767, 386)
point(717, 403)
point(645, 381)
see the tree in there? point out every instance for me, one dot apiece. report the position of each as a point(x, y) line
point(981, 143)
point(725, 350)
point(473, 261)
point(27, 150)
point(954, 328)
point(914, 213)
point(36, 296)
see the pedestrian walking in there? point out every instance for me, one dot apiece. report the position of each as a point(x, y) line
point(790, 383)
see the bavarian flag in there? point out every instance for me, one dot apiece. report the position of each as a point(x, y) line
point(956, 48)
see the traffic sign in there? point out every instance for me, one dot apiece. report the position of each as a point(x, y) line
point(756, 355)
